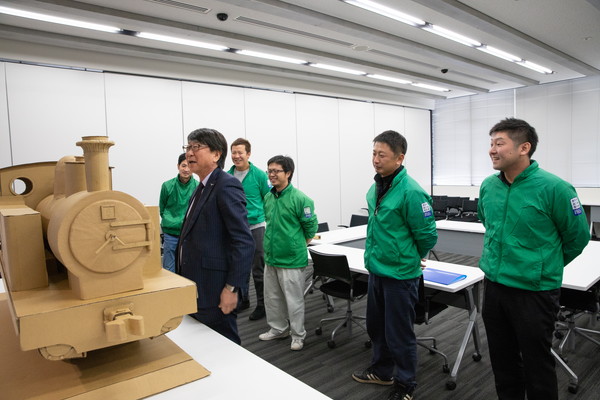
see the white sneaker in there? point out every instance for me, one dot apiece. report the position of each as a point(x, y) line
point(270, 335)
point(297, 344)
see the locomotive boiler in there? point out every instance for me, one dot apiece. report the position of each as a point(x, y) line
point(81, 262)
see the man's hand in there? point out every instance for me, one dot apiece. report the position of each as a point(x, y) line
point(228, 302)
point(423, 266)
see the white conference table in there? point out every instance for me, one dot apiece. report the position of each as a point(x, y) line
point(474, 277)
point(584, 271)
point(456, 237)
point(235, 371)
point(460, 237)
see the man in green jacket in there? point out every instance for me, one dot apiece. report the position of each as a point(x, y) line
point(291, 225)
point(400, 232)
point(256, 186)
point(535, 225)
point(174, 198)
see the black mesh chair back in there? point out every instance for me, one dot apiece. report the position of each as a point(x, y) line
point(333, 266)
point(341, 283)
point(356, 220)
point(322, 227)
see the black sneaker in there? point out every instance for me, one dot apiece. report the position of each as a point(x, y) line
point(400, 392)
point(258, 313)
point(368, 376)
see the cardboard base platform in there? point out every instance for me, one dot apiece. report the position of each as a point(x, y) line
point(129, 371)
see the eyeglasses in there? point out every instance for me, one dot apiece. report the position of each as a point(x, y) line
point(274, 171)
point(193, 147)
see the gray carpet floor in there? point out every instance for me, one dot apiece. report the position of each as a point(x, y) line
point(329, 370)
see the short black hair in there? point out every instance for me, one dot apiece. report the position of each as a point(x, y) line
point(243, 141)
point(396, 141)
point(519, 131)
point(213, 139)
point(181, 158)
point(286, 163)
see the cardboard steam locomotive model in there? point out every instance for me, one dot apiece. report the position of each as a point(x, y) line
point(81, 262)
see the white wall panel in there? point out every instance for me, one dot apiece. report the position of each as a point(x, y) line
point(5, 149)
point(214, 106)
point(585, 132)
point(50, 109)
point(271, 126)
point(318, 164)
point(418, 156)
point(144, 120)
point(356, 149)
point(387, 117)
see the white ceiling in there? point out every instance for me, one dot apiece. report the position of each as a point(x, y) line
point(563, 35)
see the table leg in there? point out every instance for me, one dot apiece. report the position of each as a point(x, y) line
point(472, 329)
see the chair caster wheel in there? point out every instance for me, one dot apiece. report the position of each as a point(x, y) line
point(318, 331)
point(368, 344)
point(445, 368)
point(331, 344)
point(476, 357)
point(329, 308)
point(450, 385)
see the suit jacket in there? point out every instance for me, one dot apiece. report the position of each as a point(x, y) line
point(215, 245)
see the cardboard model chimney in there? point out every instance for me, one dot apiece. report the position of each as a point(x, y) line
point(82, 262)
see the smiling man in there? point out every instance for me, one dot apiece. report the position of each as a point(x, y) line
point(174, 198)
point(291, 225)
point(215, 246)
point(400, 232)
point(256, 186)
point(535, 225)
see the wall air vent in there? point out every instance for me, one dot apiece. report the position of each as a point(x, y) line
point(179, 4)
point(292, 31)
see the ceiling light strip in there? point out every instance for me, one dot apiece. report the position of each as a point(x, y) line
point(267, 56)
point(177, 40)
point(386, 12)
point(337, 69)
point(210, 46)
point(445, 33)
point(58, 20)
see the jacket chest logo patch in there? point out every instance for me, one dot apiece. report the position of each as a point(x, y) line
point(576, 206)
point(426, 210)
point(307, 213)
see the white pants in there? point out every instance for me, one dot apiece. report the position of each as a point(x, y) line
point(284, 300)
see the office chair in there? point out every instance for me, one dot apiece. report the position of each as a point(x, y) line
point(440, 208)
point(322, 227)
point(454, 207)
point(356, 220)
point(425, 309)
point(469, 211)
point(341, 284)
point(574, 304)
point(312, 279)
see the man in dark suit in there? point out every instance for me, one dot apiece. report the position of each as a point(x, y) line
point(215, 247)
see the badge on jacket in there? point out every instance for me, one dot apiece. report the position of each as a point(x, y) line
point(576, 206)
point(307, 213)
point(426, 210)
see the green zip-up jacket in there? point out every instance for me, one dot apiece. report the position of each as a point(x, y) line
point(291, 220)
point(256, 186)
point(401, 230)
point(173, 203)
point(534, 228)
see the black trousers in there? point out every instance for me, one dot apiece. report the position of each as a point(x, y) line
point(519, 326)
